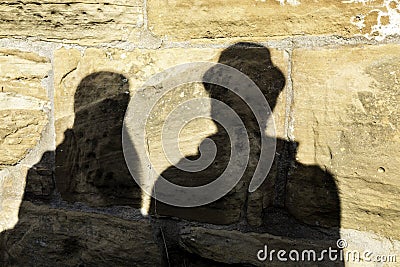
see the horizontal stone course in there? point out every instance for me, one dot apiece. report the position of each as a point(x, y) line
point(84, 22)
point(186, 20)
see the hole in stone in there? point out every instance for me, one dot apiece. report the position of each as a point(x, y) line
point(381, 170)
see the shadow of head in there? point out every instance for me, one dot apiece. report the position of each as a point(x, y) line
point(253, 60)
point(101, 86)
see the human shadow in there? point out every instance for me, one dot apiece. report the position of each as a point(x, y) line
point(90, 165)
point(90, 173)
point(295, 200)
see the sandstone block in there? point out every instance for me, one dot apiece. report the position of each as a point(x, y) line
point(346, 121)
point(47, 236)
point(234, 247)
point(22, 73)
point(20, 130)
point(185, 20)
point(81, 22)
point(23, 103)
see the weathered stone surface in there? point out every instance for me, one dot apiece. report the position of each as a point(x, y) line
point(23, 103)
point(22, 181)
point(385, 251)
point(185, 20)
point(22, 73)
point(82, 22)
point(46, 236)
point(381, 21)
point(234, 247)
point(346, 120)
point(137, 66)
point(341, 167)
point(20, 130)
point(12, 190)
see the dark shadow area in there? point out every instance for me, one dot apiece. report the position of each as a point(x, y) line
point(68, 216)
point(295, 200)
point(254, 61)
point(90, 165)
point(90, 175)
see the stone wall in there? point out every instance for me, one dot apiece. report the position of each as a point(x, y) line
point(330, 71)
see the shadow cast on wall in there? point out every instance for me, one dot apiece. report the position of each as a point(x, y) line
point(55, 224)
point(90, 165)
point(295, 200)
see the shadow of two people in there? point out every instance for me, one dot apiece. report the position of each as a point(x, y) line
point(90, 166)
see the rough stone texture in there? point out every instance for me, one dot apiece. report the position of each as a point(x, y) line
point(66, 196)
point(235, 247)
point(185, 20)
point(19, 131)
point(367, 241)
point(73, 71)
point(23, 103)
point(12, 190)
point(22, 73)
point(82, 22)
point(254, 62)
point(379, 22)
point(24, 116)
point(346, 120)
point(46, 236)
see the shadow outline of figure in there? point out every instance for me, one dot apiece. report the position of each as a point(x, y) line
point(90, 163)
point(295, 200)
point(86, 172)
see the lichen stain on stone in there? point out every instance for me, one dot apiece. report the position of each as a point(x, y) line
point(378, 23)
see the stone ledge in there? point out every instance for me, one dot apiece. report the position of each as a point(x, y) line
point(46, 236)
